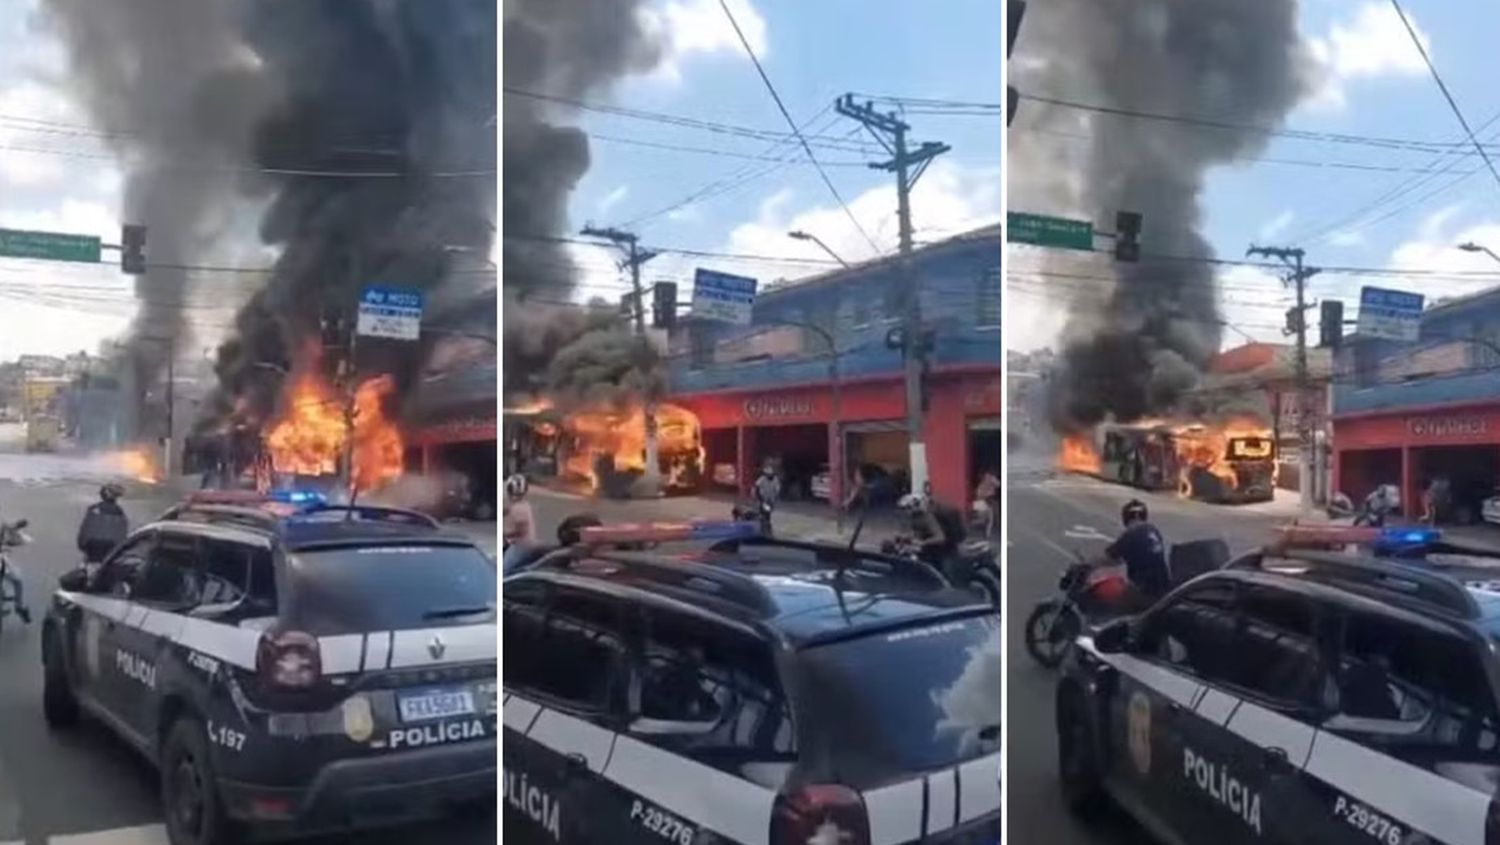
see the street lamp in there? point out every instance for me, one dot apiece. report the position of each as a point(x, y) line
point(1470, 246)
point(803, 236)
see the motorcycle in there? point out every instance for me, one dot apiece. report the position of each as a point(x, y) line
point(1084, 592)
point(757, 512)
point(975, 568)
point(12, 536)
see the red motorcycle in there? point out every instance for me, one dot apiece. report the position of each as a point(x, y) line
point(1087, 590)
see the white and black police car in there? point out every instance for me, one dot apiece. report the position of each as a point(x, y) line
point(1298, 695)
point(756, 691)
point(289, 667)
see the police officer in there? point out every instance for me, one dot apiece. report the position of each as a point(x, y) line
point(767, 492)
point(1143, 551)
point(104, 525)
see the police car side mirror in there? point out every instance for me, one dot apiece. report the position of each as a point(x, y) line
point(1113, 638)
point(74, 581)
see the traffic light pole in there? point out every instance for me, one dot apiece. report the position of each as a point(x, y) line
point(1297, 320)
point(908, 165)
point(634, 258)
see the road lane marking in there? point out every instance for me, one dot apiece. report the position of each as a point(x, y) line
point(1085, 532)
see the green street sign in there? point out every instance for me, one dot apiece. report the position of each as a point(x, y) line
point(54, 246)
point(1041, 230)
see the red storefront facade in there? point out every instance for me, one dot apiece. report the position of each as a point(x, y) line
point(961, 427)
point(1411, 446)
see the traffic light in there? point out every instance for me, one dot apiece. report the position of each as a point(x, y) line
point(1127, 236)
point(1331, 329)
point(664, 305)
point(133, 249)
point(1294, 318)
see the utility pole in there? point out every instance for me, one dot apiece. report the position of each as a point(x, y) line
point(634, 258)
point(908, 165)
point(1297, 325)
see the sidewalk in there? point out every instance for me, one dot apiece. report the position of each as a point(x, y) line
point(795, 520)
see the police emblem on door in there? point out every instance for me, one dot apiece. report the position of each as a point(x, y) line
point(436, 647)
point(1139, 727)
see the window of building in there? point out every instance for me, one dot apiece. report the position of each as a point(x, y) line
point(860, 311)
point(987, 305)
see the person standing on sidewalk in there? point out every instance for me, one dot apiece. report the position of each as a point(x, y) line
point(767, 492)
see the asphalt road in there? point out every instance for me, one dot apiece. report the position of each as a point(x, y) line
point(82, 787)
point(1050, 517)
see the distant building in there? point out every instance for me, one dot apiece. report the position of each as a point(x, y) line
point(1407, 413)
point(765, 391)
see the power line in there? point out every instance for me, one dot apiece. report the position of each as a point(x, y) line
point(1436, 77)
point(717, 127)
point(1234, 126)
point(271, 171)
point(780, 106)
point(678, 148)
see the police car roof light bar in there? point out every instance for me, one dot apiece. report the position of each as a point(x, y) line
point(837, 557)
point(1416, 582)
point(372, 513)
point(702, 579)
point(667, 532)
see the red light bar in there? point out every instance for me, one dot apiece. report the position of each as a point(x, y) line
point(637, 532)
point(1325, 536)
point(226, 497)
point(669, 532)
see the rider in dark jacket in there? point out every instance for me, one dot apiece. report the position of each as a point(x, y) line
point(104, 525)
point(1143, 550)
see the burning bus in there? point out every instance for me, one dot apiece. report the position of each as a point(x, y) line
point(603, 449)
point(1229, 464)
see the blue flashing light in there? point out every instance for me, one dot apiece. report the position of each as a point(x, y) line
point(724, 530)
point(299, 497)
point(1409, 536)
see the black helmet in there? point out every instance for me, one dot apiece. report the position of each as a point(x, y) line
point(111, 491)
point(1133, 511)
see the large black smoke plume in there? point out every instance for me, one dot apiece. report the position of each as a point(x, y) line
point(1137, 349)
point(365, 127)
point(570, 50)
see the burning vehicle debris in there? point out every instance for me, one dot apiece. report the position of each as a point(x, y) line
point(602, 449)
point(1230, 463)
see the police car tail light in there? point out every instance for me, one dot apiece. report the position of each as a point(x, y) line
point(820, 814)
point(290, 659)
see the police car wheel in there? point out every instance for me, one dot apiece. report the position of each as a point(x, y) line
point(190, 798)
point(1077, 761)
point(59, 707)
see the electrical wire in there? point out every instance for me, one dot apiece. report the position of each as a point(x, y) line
point(1443, 87)
point(780, 106)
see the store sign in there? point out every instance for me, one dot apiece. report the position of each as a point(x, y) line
point(775, 409)
point(1447, 426)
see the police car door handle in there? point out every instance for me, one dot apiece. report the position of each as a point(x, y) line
point(1276, 760)
point(577, 764)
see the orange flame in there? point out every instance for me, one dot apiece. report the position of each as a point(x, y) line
point(309, 436)
point(1077, 454)
point(138, 463)
point(619, 437)
point(1222, 450)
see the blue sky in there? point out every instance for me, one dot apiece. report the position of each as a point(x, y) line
point(1370, 81)
point(813, 53)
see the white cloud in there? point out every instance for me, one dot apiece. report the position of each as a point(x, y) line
point(1370, 45)
point(693, 28)
point(612, 199)
point(950, 199)
point(79, 217)
point(1276, 225)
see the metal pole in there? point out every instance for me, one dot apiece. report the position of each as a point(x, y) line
point(169, 469)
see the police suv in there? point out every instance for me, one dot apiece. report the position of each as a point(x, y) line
point(288, 668)
point(1296, 696)
point(761, 691)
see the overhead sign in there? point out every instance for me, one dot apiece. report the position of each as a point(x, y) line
point(1390, 314)
point(53, 246)
point(1041, 230)
point(720, 296)
point(394, 313)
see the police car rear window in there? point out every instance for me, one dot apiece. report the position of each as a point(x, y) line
point(386, 588)
point(900, 702)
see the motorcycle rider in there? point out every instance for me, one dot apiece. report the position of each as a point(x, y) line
point(938, 530)
point(1143, 550)
point(104, 525)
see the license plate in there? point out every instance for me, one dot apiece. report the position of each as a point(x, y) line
point(436, 704)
